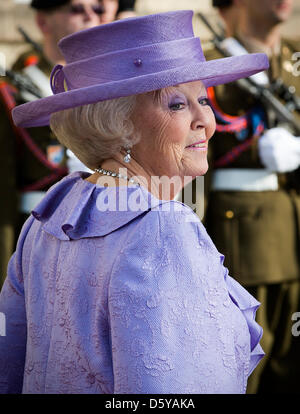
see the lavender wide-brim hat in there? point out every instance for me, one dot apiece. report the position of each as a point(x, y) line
point(129, 57)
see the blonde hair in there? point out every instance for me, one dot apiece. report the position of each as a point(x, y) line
point(96, 131)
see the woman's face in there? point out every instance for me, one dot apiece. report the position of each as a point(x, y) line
point(175, 129)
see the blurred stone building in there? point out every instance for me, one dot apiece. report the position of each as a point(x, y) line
point(14, 13)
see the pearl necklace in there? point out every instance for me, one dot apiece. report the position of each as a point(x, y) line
point(113, 174)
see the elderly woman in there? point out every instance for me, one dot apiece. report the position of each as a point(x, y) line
point(114, 286)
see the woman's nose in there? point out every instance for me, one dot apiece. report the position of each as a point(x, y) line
point(197, 124)
point(199, 119)
point(204, 119)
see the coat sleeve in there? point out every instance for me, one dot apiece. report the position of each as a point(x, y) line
point(162, 336)
point(13, 335)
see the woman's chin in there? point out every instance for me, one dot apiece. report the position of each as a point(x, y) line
point(199, 170)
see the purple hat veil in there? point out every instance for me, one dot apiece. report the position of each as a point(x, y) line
point(129, 57)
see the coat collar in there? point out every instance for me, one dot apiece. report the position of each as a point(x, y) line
point(75, 208)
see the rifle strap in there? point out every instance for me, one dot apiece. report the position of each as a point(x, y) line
point(236, 151)
point(233, 124)
point(7, 95)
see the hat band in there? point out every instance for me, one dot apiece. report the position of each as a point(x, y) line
point(127, 64)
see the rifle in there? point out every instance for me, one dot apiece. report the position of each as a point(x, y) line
point(28, 39)
point(22, 82)
point(260, 92)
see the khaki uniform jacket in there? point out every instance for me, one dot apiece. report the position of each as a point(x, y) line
point(19, 166)
point(30, 168)
point(258, 232)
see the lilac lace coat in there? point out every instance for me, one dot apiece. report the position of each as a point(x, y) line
point(122, 301)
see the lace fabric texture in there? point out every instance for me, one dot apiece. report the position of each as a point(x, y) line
point(122, 302)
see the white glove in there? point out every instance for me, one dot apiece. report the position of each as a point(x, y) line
point(74, 164)
point(279, 150)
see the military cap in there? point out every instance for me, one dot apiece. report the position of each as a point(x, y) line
point(221, 3)
point(47, 4)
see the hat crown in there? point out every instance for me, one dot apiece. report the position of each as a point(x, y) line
point(130, 57)
point(127, 34)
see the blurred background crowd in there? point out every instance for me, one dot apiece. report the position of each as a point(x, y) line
point(15, 13)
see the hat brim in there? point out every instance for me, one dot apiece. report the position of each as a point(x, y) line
point(211, 73)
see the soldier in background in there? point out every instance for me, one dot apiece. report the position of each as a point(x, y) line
point(253, 210)
point(32, 160)
point(57, 19)
point(229, 15)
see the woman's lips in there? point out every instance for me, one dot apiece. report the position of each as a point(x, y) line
point(200, 145)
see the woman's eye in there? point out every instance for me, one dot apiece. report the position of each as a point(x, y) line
point(176, 106)
point(203, 101)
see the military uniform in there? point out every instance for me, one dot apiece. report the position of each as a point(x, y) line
point(8, 205)
point(256, 229)
point(31, 163)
